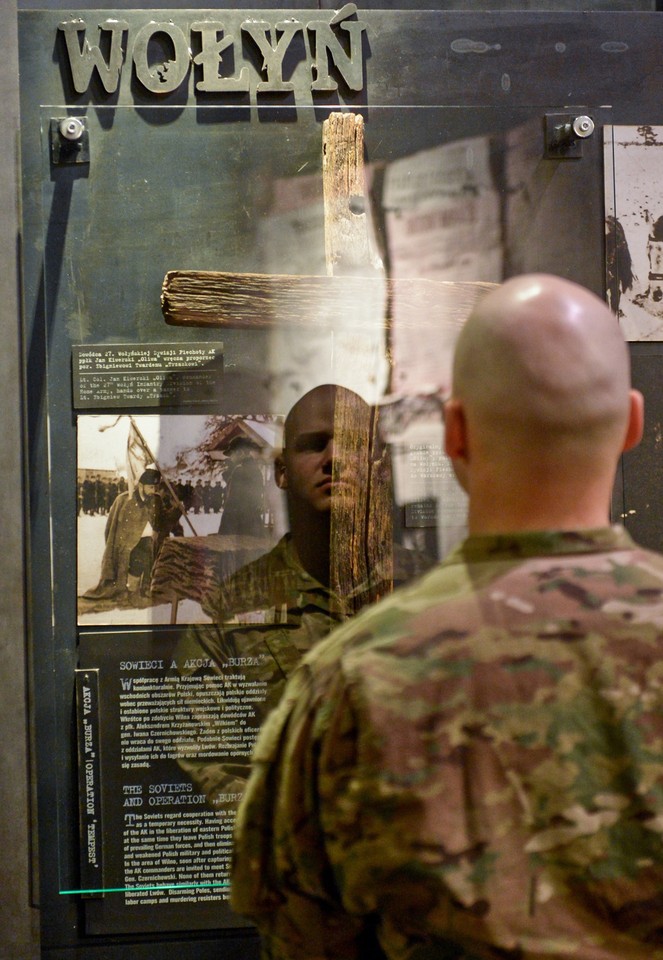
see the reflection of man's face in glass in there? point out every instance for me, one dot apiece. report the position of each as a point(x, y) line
point(316, 463)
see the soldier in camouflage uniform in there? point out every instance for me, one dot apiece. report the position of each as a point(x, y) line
point(474, 767)
point(273, 610)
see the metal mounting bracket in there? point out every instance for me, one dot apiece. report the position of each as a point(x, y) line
point(564, 134)
point(70, 140)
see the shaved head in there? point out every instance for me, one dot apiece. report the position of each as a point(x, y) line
point(326, 432)
point(324, 469)
point(542, 355)
point(318, 402)
point(541, 372)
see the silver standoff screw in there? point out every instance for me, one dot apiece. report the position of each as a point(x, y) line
point(71, 128)
point(583, 127)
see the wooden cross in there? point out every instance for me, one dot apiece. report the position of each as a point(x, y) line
point(361, 538)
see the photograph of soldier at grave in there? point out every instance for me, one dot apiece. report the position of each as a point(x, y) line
point(152, 495)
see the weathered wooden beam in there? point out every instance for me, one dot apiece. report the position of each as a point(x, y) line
point(210, 298)
point(348, 247)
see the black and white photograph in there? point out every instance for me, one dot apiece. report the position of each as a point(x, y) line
point(634, 228)
point(167, 507)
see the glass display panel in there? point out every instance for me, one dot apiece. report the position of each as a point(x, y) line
point(216, 310)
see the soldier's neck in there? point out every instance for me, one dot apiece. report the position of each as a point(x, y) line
point(310, 536)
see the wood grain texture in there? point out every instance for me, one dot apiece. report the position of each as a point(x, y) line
point(361, 546)
point(347, 242)
point(210, 298)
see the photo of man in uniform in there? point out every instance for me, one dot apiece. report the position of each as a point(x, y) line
point(136, 526)
point(243, 505)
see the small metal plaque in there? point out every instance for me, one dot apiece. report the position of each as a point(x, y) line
point(146, 375)
point(89, 781)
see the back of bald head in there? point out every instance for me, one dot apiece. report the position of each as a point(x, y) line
point(541, 362)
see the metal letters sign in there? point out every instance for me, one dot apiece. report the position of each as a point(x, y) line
point(331, 49)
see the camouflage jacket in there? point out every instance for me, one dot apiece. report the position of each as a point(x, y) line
point(472, 768)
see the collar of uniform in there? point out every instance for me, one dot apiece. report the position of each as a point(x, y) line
point(513, 546)
point(287, 553)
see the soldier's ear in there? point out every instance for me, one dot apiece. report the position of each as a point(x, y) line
point(456, 444)
point(455, 430)
point(636, 421)
point(280, 474)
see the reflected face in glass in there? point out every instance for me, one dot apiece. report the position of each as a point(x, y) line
point(314, 465)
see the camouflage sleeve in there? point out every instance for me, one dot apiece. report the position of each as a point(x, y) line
point(282, 877)
point(299, 868)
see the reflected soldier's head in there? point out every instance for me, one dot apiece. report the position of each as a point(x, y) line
point(326, 435)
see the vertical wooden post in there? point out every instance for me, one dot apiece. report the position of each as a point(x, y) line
point(361, 563)
point(347, 241)
point(361, 547)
